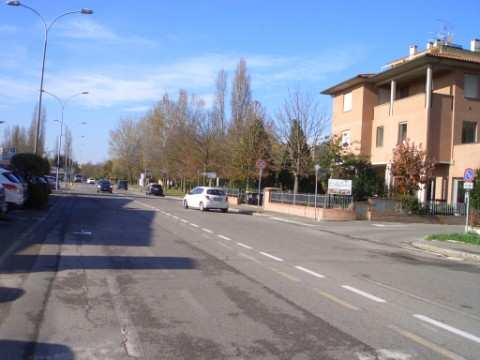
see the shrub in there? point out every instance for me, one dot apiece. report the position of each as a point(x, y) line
point(37, 196)
point(412, 205)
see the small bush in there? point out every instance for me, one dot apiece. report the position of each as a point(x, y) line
point(412, 205)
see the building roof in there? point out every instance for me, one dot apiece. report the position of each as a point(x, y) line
point(404, 64)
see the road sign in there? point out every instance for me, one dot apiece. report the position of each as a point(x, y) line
point(469, 175)
point(210, 175)
point(468, 185)
point(339, 187)
point(317, 167)
point(261, 164)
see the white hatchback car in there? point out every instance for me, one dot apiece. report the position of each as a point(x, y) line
point(14, 190)
point(90, 181)
point(205, 198)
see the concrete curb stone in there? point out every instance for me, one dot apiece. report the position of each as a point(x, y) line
point(446, 252)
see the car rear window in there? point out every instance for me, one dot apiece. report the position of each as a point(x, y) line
point(215, 192)
point(11, 177)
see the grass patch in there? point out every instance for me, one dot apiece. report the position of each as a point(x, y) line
point(469, 238)
point(174, 192)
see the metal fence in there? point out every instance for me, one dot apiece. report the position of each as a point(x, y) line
point(442, 208)
point(323, 201)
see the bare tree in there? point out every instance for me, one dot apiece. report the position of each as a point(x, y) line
point(301, 126)
point(241, 95)
point(219, 104)
point(32, 131)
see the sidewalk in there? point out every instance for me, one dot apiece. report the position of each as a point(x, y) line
point(450, 249)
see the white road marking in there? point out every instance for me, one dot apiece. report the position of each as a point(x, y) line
point(224, 237)
point(82, 232)
point(168, 214)
point(244, 245)
point(176, 217)
point(378, 225)
point(335, 299)
point(207, 230)
point(249, 257)
point(184, 221)
point(290, 221)
point(301, 268)
point(194, 225)
point(271, 256)
point(434, 347)
point(363, 293)
point(449, 328)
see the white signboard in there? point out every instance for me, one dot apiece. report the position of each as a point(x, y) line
point(339, 187)
point(210, 175)
point(468, 185)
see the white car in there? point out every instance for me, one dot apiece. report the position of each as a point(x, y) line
point(91, 181)
point(205, 198)
point(14, 190)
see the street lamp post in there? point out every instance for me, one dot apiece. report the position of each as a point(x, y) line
point(47, 28)
point(62, 106)
point(317, 168)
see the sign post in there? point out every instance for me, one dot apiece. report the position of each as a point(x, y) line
point(317, 168)
point(468, 177)
point(260, 166)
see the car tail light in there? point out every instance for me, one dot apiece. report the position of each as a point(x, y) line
point(11, 187)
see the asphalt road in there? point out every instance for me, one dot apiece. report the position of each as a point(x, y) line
point(121, 277)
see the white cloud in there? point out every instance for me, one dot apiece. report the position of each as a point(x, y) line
point(87, 29)
point(137, 109)
point(133, 86)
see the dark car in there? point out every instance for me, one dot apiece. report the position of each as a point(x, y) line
point(155, 189)
point(104, 186)
point(122, 185)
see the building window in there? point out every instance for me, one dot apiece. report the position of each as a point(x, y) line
point(379, 138)
point(402, 132)
point(469, 132)
point(471, 86)
point(346, 138)
point(347, 101)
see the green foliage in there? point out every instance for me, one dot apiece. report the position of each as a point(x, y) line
point(475, 193)
point(30, 165)
point(412, 205)
point(469, 238)
point(37, 196)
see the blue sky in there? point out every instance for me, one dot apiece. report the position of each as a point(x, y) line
point(130, 52)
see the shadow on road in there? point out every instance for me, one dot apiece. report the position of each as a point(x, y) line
point(15, 350)
point(41, 263)
point(10, 294)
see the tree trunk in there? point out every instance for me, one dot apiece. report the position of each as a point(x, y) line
point(295, 187)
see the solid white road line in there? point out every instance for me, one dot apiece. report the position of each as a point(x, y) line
point(301, 268)
point(449, 328)
point(335, 299)
point(271, 256)
point(363, 293)
point(207, 230)
point(224, 237)
point(194, 225)
point(244, 245)
point(434, 347)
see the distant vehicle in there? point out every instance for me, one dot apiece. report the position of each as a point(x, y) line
point(3, 201)
point(205, 198)
point(78, 178)
point(122, 185)
point(104, 186)
point(51, 181)
point(90, 181)
point(154, 189)
point(14, 189)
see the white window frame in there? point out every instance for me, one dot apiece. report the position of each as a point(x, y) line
point(376, 136)
point(347, 101)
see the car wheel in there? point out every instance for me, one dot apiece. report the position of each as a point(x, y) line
point(224, 210)
point(185, 204)
point(201, 207)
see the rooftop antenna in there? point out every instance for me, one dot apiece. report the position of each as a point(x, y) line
point(445, 35)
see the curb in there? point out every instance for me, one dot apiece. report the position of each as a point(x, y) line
point(446, 252)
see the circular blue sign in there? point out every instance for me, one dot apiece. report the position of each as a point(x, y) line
point(469, 175)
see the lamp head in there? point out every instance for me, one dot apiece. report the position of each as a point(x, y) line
point(13, 3)
point(86, 11)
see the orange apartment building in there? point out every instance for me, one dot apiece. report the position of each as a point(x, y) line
point(431, 97)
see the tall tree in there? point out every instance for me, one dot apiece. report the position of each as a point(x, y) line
point(218, 111)
point(32, 131)
point(301, 126)
point(241, 95)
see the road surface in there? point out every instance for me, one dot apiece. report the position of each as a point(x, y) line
point(125, 277)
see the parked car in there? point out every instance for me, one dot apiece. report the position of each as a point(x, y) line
point(51, 181)
point(3, 201)
point(154, 189)
point(14, 189)
point(78, 178)
point(205, 198)
point(122, 185)
point(90, 181)
point(104, 186)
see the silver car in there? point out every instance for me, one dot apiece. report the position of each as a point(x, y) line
point(3, 201)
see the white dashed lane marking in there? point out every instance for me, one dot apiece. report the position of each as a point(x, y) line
point(448, 328)
point(271, 256)
point(194, 225)
point(244, 245)
point(301, 268)
point(224, 237)
point(363, 293)
point(207, 230)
